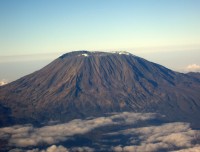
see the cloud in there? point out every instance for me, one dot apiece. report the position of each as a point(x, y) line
point(52, 148)
point(193, 68)
point(82, 149)
point(134, 132)
point(156, 138)
point(193, 149)
point(3, 82)
point(27, 135)
point(55, 148)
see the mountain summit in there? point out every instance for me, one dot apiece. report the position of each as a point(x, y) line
point(82, 83)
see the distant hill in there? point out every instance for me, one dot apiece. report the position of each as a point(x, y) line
point(81, 84)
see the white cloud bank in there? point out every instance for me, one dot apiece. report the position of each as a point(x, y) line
point(193, 149)
point(157, 138)
point(55, 148)
point(192, 68)
point(3, 82)
point(27, 135)
point(52, 148)
point(176, 136)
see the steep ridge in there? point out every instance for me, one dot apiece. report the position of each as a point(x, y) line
point(81, 84)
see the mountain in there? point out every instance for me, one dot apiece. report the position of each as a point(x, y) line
point(84, 84)
point(194, 74)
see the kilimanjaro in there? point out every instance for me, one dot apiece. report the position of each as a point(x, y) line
point(83, 84)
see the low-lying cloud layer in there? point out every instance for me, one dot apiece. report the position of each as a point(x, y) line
point(134, 128)
point(193, 149)
point(193, 68)
point(168, 136)
point(3, 82)
point(55, 148)
point(27, 135)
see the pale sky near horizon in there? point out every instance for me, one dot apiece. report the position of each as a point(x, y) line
point(34, 32)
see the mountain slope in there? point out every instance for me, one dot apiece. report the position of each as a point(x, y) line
point(194, 74)
point(81, 84)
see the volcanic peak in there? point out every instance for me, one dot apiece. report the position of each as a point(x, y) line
point(82, 83)
point(93, 53)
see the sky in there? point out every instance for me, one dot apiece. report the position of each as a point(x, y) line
point(35, 32)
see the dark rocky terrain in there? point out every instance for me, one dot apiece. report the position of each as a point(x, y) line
point(194, 74)
point(85, 84)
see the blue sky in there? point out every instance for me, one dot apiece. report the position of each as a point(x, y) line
point(165, 31)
